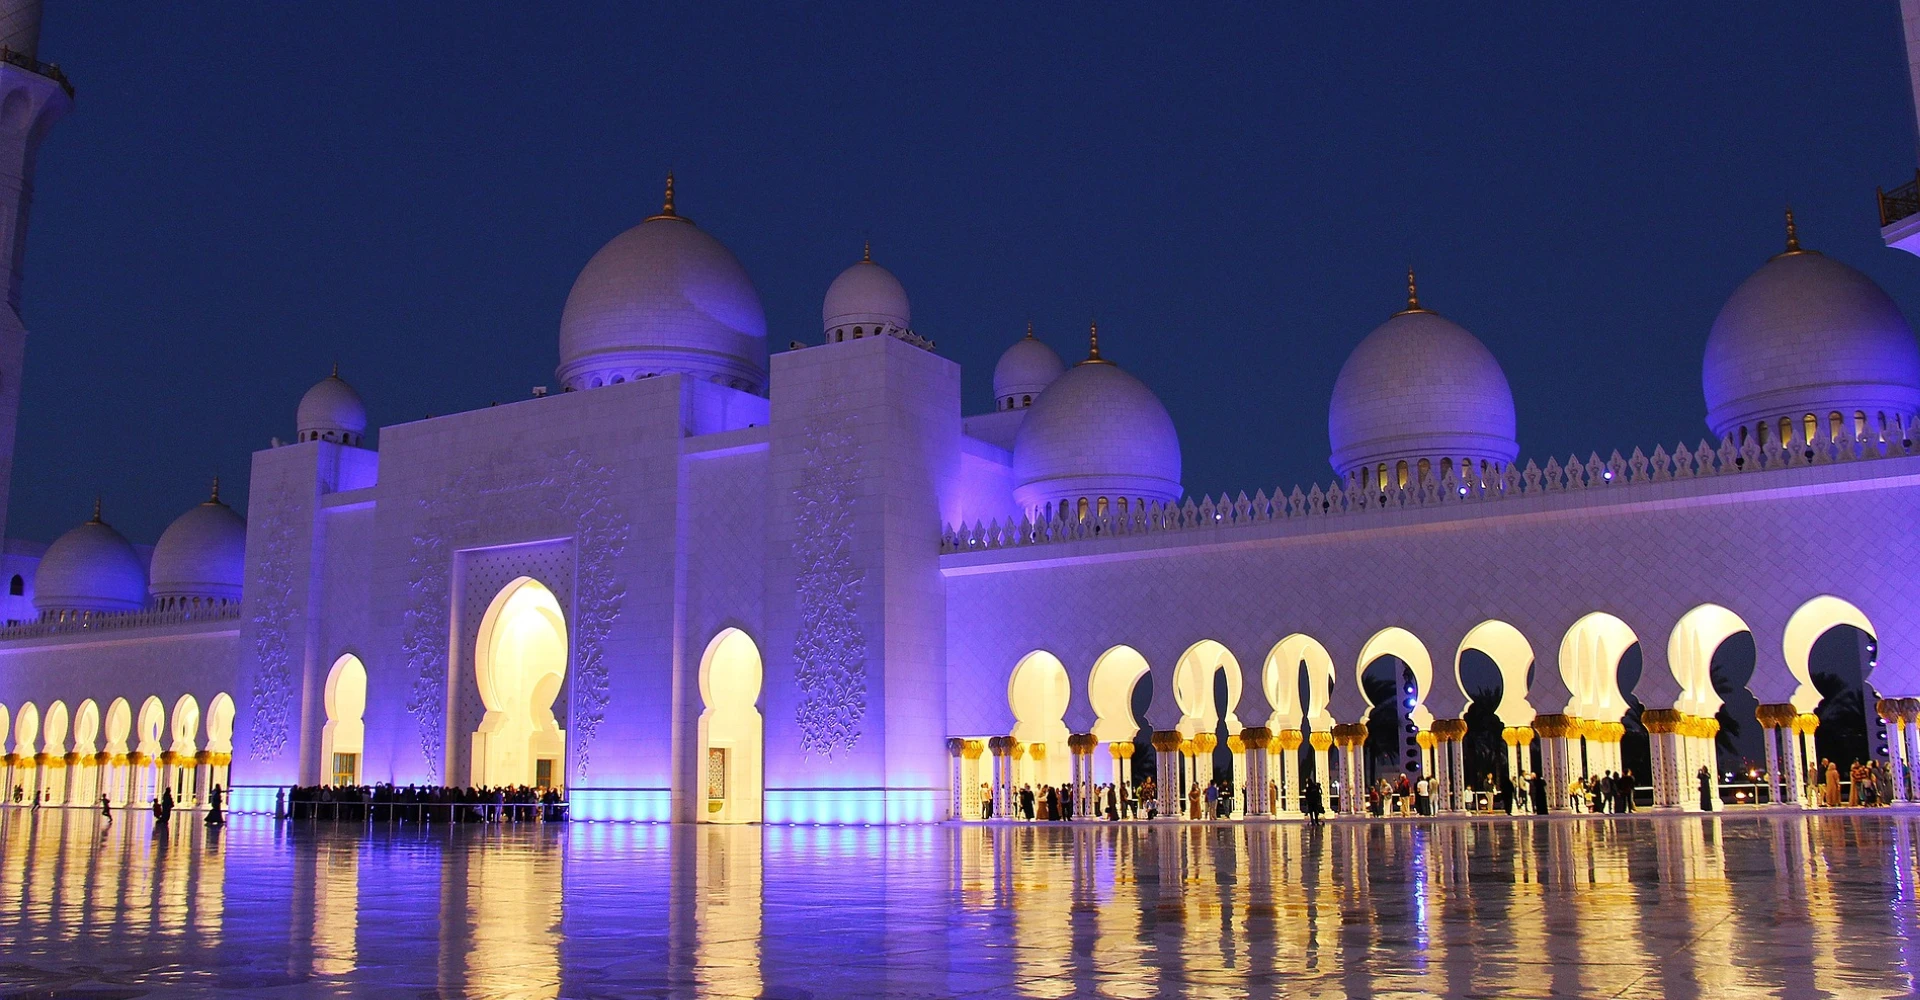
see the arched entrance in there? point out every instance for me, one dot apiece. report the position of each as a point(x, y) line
point(343, 738)
point(732, 740)
point(520, 663)
point(1037, 694)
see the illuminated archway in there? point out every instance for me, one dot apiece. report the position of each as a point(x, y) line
point(1193, 688)
point(149, 727)
point(343, 737)
point(732, 732)
point(1110, 691)
point(1509, 651)
point(220, 741)
point(53, 743)
point(520, 663)
point(1038, 692)
point(1696, 636)
point(1281, 679)
point(185, 722)
point(119, 729)
point(1809, 622)
point(83, 785)
point(1590, 664)
point(26, 737)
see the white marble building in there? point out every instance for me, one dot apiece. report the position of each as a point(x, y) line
point(710, 582)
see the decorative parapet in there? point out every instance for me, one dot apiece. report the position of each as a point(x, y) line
point(1449, 489)
point(49, 70)
point(83, 624)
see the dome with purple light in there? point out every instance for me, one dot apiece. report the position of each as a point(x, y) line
point(1024, 371)
point(91, 569)
point(1096, 433)
point(1420, 387)
point(865, 296)
point(201, 557)
point(663, 298)
point(332, 411)
point(1808, 335)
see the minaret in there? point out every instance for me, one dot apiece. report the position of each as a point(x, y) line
point(33, 95)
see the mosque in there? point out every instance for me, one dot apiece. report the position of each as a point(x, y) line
point(709, 582)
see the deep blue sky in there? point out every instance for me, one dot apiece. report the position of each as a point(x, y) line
point(245, 193)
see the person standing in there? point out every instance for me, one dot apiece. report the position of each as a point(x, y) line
point(1422, 799)
point(214, 798)
point(1705, 779)
point(1212, 795)
point(1310, 800)
point(1833, 784)
point(1537, 790)
point(106, 809)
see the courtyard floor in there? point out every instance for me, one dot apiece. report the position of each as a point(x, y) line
point(1736, 905)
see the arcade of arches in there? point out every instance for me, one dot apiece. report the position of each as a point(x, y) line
point(1564, 721)
point(77, 757)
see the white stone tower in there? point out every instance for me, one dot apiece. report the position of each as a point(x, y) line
point(33, 95)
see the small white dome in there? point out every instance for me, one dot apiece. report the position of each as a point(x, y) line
point(202, 556)
point(1806, 334)
point(868, 296)
point(663, 298)
point(332, 411)
point(1096, 432)
point(1024, 371)
point(91, 569)
point(1420, 387)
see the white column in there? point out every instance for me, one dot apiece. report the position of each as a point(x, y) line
point(1770, 738)
point(1002, 748)
point(1168, 766)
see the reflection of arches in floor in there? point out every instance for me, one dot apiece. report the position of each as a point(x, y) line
point(732, 740)
point(343, 737)
point(520, 663)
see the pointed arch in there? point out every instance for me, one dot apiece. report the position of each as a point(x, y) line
point(86, 728)
point(520, 663)
point(1193, 677)
point(1291, 657)
point(343, 736)
point(1398, 642)
point(1805, 626)
point(186, 726)
point(150, 726)
point(1690, 648)
point(119, 725)
point(1038, 692)
point(1590, 664)
point(1510, 651)
point(26, 730)
point(731, 730)
point(53, 729)
point(1110, 691)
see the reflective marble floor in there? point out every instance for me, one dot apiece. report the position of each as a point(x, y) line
point(1681, 907)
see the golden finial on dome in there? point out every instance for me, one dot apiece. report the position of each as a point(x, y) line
point(215, 498)
point(336, 370)
point(866, 251)
point(1793, 233)
point(1093, 345)
point(1029, 329)
point(95, 519)
point(666, 204)
point(1413, 296)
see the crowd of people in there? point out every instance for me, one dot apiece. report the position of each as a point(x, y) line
point(1126, 800)
point(1863, 785)
point(387, 803)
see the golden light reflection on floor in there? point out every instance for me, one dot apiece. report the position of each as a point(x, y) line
point(1683, 906)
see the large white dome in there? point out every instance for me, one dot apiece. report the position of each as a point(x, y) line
point(1806, 334)
point(91, 569)
point(1420, 387)
point(663, 298)
point(866, 296)
point(201, 557)
point(1096, 433)
point(332, 411)
point(1024, 371)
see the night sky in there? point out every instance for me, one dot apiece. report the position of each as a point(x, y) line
point(247, 193)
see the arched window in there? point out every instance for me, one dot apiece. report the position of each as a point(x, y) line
point(18, 586)
point(1103, 507)
point(1082, 508)
point(1833, 426)
point(1760, 434)
point(856, 333)
point(1812, 424)
point(1026, 400)
point(1859, 424)
point(1446, 466)
point(1743, 436)
point(1400, 473)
